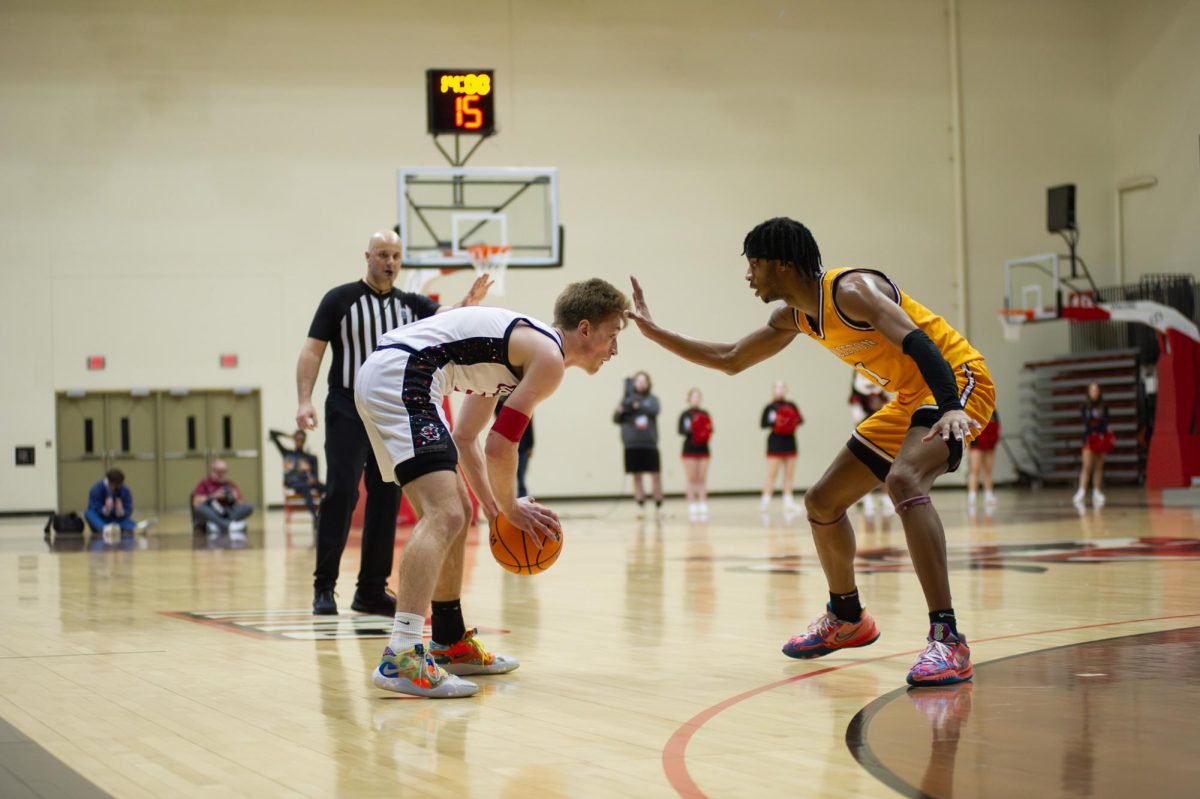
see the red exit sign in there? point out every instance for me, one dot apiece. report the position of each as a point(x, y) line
point(228, 361)
point(95, 363)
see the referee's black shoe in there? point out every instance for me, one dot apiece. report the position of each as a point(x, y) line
point(323, 602)
point(378, 602)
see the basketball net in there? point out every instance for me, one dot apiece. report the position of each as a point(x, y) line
point(492, 260)
point(1011, 322)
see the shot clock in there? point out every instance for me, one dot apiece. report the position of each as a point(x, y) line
point(460, 101)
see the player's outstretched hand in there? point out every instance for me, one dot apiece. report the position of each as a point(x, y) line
point(640, 313)
point(536, 520)
point(478, 290)
point(952, 423)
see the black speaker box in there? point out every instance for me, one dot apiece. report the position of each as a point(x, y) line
point(1060, 208)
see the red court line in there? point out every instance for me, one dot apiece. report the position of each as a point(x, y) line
point(674, 756)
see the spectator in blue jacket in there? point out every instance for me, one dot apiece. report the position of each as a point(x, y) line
point(110, 506)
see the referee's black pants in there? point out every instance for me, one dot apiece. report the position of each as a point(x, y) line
point(347, 452)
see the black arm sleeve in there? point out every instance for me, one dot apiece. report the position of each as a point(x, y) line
point(934, 368)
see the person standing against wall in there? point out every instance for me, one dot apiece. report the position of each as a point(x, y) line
point(353, 317)
point(637, 414)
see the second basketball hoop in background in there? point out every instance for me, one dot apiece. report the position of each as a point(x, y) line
point(491, 260)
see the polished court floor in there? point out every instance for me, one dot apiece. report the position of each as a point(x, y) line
point(650, 664)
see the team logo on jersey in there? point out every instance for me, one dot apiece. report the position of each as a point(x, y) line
point(430, 432)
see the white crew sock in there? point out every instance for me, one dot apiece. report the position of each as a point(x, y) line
point(408, 630)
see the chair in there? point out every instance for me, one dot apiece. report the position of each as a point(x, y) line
point(293, 501)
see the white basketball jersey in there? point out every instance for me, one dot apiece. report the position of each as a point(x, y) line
point(465, 349)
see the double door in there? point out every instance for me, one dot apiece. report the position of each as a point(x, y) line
point(164, 442)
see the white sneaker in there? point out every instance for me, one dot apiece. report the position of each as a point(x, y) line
point(237, 527)
point(111, 529)
point(693, 511)
point(868, 505)
point(989, 499)
point(1098, 499)
point(1078, 498)
point(790, 508)
point(971, 497)
point(143, 526)
point(765, 505)
point(413, 672)
point(702, 512)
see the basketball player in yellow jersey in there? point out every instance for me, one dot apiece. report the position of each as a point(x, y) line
point(943, 394)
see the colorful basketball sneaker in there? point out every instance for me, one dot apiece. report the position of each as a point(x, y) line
point(945, 661)
point(413, 672)
point(829, 633)
point(469, 656)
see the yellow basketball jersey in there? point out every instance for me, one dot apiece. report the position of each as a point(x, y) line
point(862, 346)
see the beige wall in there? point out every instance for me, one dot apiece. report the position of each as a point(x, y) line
point(179, 180)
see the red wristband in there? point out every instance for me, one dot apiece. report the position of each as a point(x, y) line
point(510, 424)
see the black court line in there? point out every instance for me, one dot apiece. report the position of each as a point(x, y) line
point(856, 731)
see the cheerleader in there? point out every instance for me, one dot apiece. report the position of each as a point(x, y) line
point(782, 417)
point(1098, 441)
point(696, 427)
point(983, 461)
point(866, 397)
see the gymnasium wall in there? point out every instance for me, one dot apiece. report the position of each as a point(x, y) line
point(178, 181)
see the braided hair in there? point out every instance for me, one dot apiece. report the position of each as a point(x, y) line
point(783, 239)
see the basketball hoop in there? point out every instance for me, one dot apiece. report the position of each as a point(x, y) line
point(491, 260)
point(1012, 320)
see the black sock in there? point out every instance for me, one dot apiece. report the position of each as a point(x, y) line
point(945, 617)
point(448, 627)
point(846, 606)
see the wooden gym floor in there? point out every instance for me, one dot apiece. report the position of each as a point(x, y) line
point(650, 665)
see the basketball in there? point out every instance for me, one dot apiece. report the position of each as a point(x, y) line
point(513, 550)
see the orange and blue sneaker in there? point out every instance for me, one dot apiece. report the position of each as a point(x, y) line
point(413, 672)
point(945, 661)
point(829, 633)
point(469, 656)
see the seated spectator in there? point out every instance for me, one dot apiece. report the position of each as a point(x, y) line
point(110, 506)
point(218, 502)
point(300, 469)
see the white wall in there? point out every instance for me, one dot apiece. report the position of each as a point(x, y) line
point(179, 181)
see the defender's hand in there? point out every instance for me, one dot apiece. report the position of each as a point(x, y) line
point(640, 313)
point(478, 290)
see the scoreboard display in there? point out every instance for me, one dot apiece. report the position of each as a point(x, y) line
point(460, 101)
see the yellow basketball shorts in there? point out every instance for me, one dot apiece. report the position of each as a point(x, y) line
point(877, 440)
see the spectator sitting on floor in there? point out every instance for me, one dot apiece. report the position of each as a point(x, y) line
point(110, 506)
point(218, 502)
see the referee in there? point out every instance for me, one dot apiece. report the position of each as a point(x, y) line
point(353, 317)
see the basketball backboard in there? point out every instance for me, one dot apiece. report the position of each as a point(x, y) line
point(445, 211)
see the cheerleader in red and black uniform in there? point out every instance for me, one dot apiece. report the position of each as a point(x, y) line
point(1098, 441)
point(696, 427)
point(782, 417)
point(983, 461)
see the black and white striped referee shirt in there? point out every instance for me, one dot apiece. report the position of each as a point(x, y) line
point(353, 317)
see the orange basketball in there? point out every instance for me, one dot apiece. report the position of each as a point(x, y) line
point(514, 550)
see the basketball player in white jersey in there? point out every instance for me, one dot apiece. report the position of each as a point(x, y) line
point(486, 353)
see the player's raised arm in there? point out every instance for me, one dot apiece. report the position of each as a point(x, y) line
point(864, 298)
point(728, 358)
